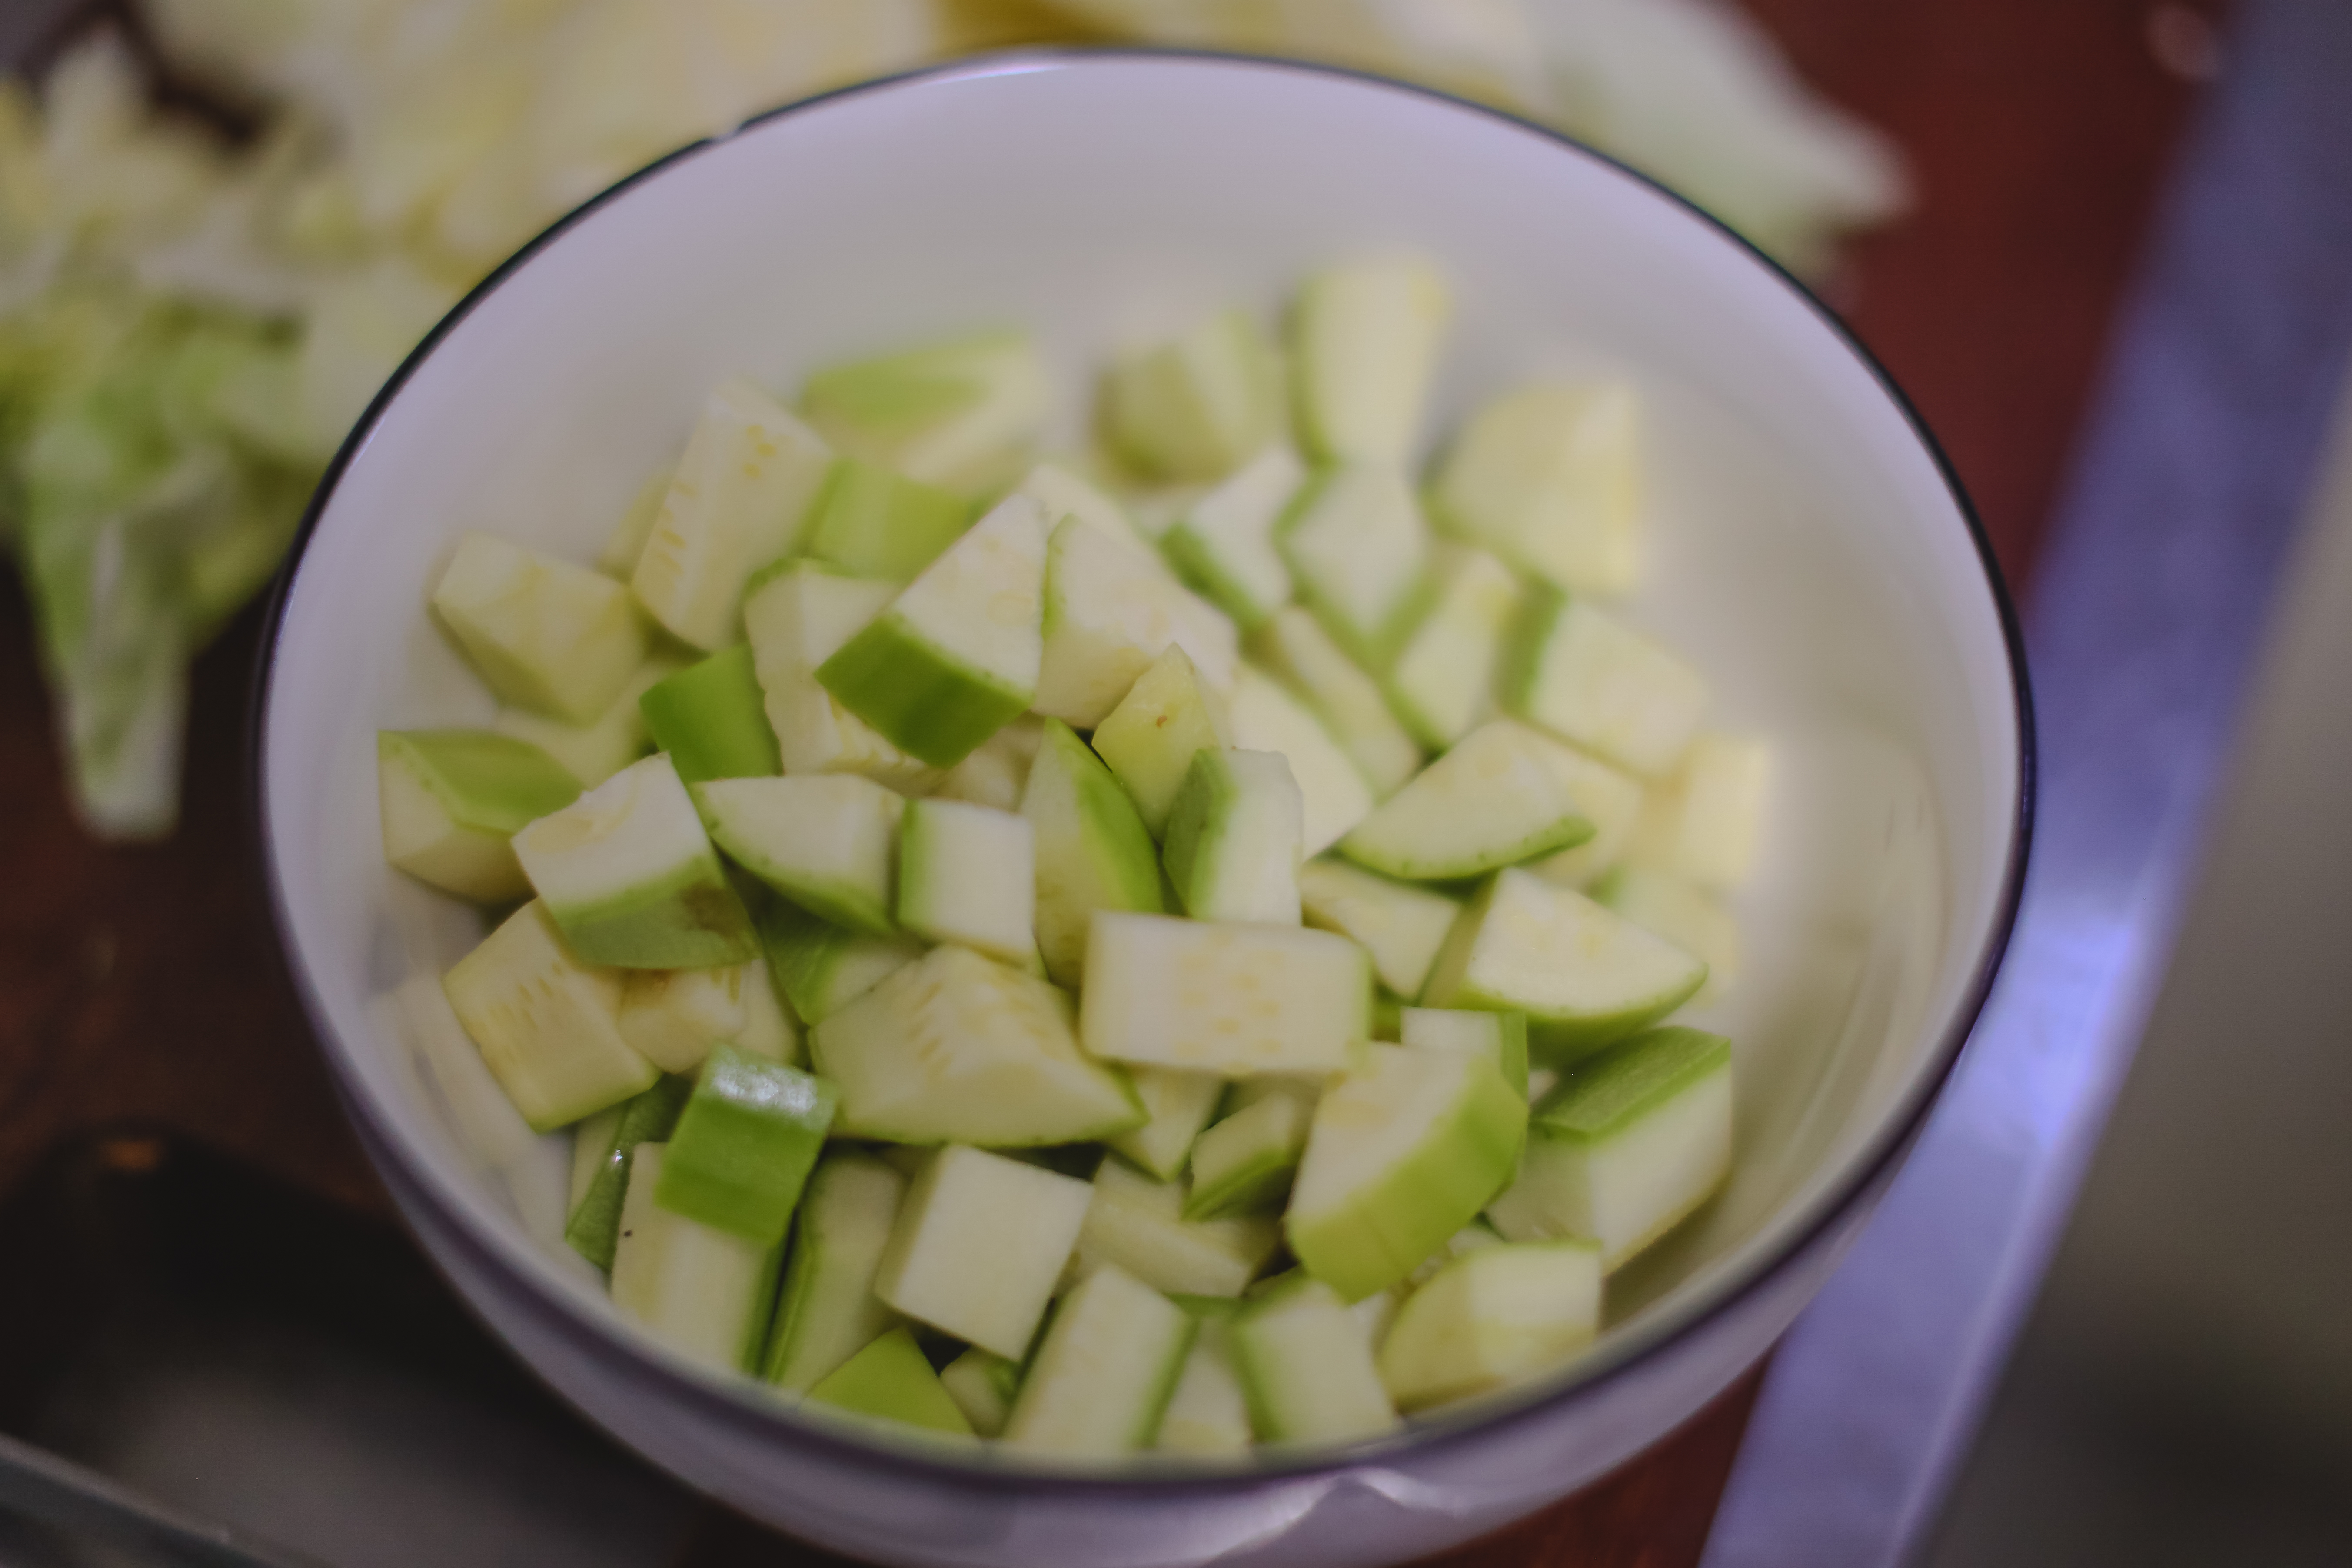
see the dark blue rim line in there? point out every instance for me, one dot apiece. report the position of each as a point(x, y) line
point(1893, 1136)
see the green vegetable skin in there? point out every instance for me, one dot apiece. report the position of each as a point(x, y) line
point(712, 720)
point(743, 1147)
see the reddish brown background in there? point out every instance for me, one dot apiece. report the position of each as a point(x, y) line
point(144, 984)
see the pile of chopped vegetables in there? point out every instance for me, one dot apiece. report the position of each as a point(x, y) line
point(188, 324)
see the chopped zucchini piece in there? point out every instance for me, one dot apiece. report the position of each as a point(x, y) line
point(1092, 850)
point(1109, 612)
point(1198, 408)
point(1223, 545)
point(451, 801)
point(1295, 650)
point(712, 720)
point(1305, 1368)
point(1227, 998)
point(1404, 1152)
point(743, 1148)
point(873, 522)
point(1549, 478)
point(629, 875)
point(1333, 791)
point(545, 1022)
point(1103, 1374)
point(1442, 681)
point(1628, 1146)
point(956, 656)
point(968, 874)
point(978, 1245)
point(1233, 849)
point(1356, 547)
point(1588, 677)
point(828, 1311)
point(544, 634)
point(890, 1379)
point(1401, 926)
point(1492, 801)
point(705, 1293)
point(739, 500)
point(956, 1048)
point(1150, 739)
point(1493, 1316)
point(1364, 342)
point(826, 841)
point(1584, 977)
point(963, 415)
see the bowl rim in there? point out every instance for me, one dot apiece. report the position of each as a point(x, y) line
point(1869, 1165)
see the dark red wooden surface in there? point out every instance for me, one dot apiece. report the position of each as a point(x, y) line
point(143, 982)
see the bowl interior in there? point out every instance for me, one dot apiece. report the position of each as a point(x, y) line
point(1804, 548)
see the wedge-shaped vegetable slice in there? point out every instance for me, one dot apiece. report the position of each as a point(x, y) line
point(1226, 998)
point(1092, 852)
point(1305, 1368)
point(1139, 1224)
point(968, 875)
point(957, 1049)
point(1683, 913)
point(1332, 792)
point(595, 751)
point(1492, 801)
point(740, 500)
point(609, 1141)
point(451, 801)
point(1295, 650)
point(1493, 1316)
point(997, 773)
point(963, 415)
point(1356, 547)
point(1109, 612)
point(1223, 543)
point(1401, 926)
point(796, 620)
point(1705, 822)
point(545, 1022)
point(1587, 677)
point(982, 1385)
point(1549, 478)
point(956, 656)
point(873, 522)
point(673, 1017)
point(822, 967)
point(1179, 1104)
point(745, 1146)
point(712, 720)
point(1583, 976)
point(1150, 739)
point(1102, 1376)
point(826, 841)
point(1244, 1165)
point(1208, 1412)
point(629, 874)
point(1404, 1152)
point(1364, 342)
point(1613, 799)
point(1199, 406)
point(542, 633)
point(978, 1245)
point(828, 1311)
point(890, 1379)
point(1064, 493)
point(1500, 1037)
point(1628, 1144)
point(1233, 849)
point(705, 1293)
point(1442, 681)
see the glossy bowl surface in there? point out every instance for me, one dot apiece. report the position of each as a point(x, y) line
point(1807, 547)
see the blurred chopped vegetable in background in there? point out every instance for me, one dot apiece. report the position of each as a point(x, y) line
point(188, 327)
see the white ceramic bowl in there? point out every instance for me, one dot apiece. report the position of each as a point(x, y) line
point(1807, 547)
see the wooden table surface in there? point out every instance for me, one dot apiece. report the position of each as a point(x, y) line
point(145, 985)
